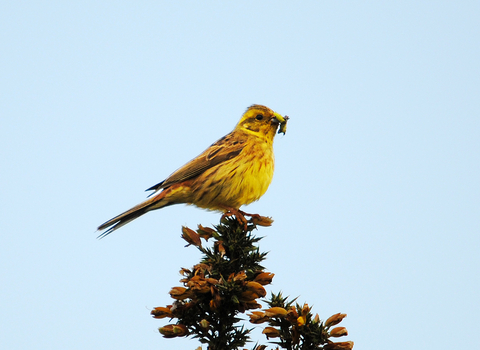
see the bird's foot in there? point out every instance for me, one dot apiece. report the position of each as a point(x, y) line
point(239, 215)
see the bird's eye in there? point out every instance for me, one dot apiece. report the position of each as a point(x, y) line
point(259, 117)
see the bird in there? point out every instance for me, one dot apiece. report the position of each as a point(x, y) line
point(236, 170)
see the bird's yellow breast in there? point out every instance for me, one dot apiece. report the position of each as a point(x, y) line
point(239, 181)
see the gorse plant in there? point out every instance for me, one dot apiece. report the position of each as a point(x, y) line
point(228, 281)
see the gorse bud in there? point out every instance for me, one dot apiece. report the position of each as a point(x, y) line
point(271, 332)
point(276, 312)
point(204, 324)
point(257, 317)
point(191, 236)
point(264, 278)
point(205, 232)
point(256, 288)
point(334, 319)
point(161, 312)
point(180, 293)
point(173, 330)
point(338, 332)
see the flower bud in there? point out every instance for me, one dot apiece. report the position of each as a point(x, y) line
point(185, 272)
point(241, 276)
point(338, 332)
point(264, 278)
point(161, 312)
point(335, 319)
point(305, 309)
point(180, 293)
point(257, 288)
point(205, 232)
point(276, 312)
point(271, 332)
point(248, 296)
point(198, 284)
point(180, 330)
point(191, 237)
point(167, 331)
point(218, 245)
point(257, 317)
point(204, 324)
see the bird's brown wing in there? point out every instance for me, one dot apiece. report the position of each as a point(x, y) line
point(226, 148)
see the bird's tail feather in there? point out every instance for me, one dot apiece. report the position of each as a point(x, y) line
point(130, 215)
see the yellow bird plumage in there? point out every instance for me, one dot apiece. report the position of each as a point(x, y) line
point(234, 171)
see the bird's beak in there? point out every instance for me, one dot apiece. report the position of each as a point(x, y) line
point(282, 121)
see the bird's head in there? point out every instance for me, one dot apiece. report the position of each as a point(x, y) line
point(262, 121)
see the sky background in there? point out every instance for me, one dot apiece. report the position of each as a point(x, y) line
point(376, 193)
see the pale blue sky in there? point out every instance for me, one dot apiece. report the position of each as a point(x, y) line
point(376, 194)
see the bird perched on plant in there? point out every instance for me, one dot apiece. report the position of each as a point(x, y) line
point(234, 171)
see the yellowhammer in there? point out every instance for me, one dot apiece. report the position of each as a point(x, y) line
point(235, 170)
